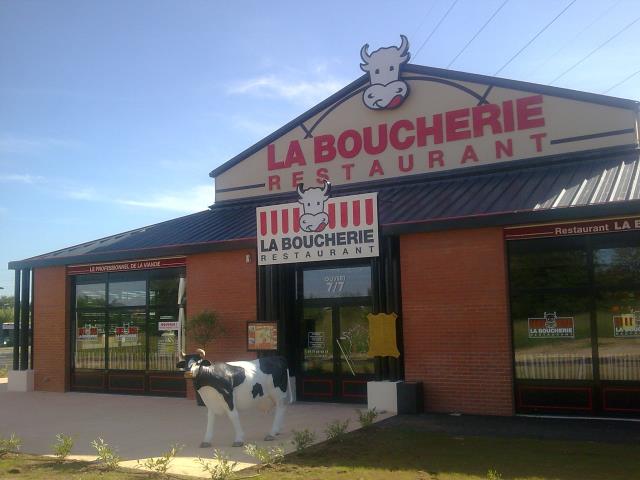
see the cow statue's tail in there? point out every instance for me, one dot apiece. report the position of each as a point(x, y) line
point(289, 387)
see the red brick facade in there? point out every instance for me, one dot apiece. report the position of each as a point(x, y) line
point(456, 324)
point(224, 283)
point(51, 329)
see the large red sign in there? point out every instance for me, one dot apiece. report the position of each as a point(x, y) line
point(587, 227)
point(128, 266)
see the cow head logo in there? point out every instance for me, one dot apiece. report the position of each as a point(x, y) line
point(550, 320)
point(386, 91)
point(313, 199)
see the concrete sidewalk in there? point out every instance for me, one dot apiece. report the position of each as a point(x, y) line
point(141, 427)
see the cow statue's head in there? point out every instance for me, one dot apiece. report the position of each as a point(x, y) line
point(314, 218)
point(386, 90)
point(190, 363)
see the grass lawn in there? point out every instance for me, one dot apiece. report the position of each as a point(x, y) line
point(382, 452)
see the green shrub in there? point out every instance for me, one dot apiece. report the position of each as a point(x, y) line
point(63, 446)
point(220, 469)
point(106, 455)
point(303, 438)
point(205, 327)
point(161, 464)
point(10, 445)
point(335, 430)
point(493, 475)
point(366, 417)
point(266, 456)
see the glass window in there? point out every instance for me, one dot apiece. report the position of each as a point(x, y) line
point(354, 340)
point(90, 340)
point(618, 316)
point(91, 293)
point(617, 266)
point(548, 269)
point(163, 340)
point(552, 336)
point(318, 340)
point(131, 293)
point(164, 290)
point(127, 339)
point(337, 282)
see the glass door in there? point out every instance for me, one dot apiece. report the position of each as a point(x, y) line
point(334, 335)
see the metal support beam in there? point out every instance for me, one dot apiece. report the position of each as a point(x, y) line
point(16, 322)
point(24, 319)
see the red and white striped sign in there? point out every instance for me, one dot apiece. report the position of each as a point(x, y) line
point(344, 227)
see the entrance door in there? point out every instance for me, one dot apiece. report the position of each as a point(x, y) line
point(334, 335)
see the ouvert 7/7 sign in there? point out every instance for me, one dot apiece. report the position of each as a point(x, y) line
point(318, 228)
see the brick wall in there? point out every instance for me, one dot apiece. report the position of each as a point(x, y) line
point(51, 330)
point(456, 324)
point(224, 283)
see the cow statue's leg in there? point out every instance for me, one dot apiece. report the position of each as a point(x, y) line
point(235, 420)
point(208, 436)
point(276, 428)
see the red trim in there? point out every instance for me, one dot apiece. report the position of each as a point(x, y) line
point(353, 395)
point(368, 204)
point(620, 389)
point(127, 266)
point(285, 220)
point(550, 407)
point(567, 229)
point(330, 382)
point(344, 214)
point(89, 374)
point(332, 215)
point(263, 223)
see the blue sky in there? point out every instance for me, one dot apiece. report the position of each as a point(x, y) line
point(113, 113)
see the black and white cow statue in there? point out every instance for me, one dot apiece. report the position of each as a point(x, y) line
point(226, 388)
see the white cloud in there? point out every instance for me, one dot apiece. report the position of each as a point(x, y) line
point(304, 92)
point(21, 178)
point(189, 200)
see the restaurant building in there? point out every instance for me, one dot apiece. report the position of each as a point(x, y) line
point(475, 234)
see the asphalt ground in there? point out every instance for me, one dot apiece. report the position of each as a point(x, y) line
point(543, 428)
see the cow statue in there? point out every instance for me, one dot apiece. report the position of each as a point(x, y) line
point(386, 91)
point(314, 218)
point(226, 388)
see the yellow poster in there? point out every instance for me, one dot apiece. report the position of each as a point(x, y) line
point(382, 335)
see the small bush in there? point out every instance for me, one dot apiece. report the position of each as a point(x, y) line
point(302, 439)
point(63, 446)
point(335, 430)
point(221, 469)
point(493, 475)
point(10, 445)
point(266, 456)
point(106, 455)
point(161, 464)
point(367, 417)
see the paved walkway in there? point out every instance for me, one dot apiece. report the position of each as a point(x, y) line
point(142, 427)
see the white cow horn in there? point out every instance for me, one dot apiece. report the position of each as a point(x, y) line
point(364, 54)
point(326, 188)
point(300, 189)
point(404, 46)
point(182, 355)
point(201, 352)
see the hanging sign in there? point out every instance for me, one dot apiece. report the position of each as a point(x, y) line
point(382, 335)
point(262, 336)
point(128, 266)
point(168, 325)
point(318, 228)
point(627, 325)
point(551, 326)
